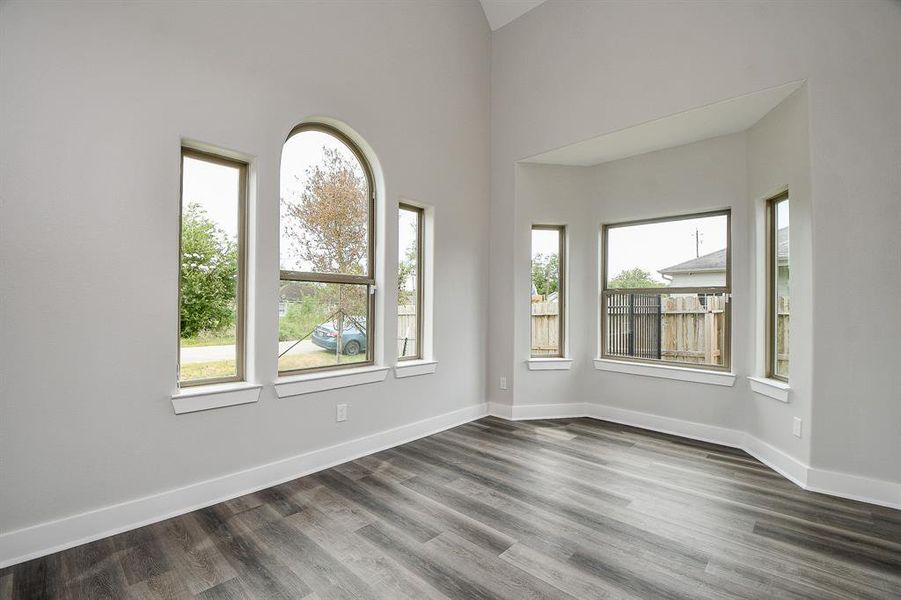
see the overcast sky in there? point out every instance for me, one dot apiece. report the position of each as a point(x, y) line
point(215, 188)
point(655, 246)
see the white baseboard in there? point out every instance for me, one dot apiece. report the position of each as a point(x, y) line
point(537, 411)
point(843, 485)
point(789, 467)
point(504, 411)
point(688, 429)
point(865, 489)
point(53, 536)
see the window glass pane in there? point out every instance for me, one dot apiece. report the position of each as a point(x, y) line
point(782, 290)
point(546, 317)
point(324, 207)
point(322, 324)
point(675, 328)
point(209, 270)
point(678, 253)
point(408, 283)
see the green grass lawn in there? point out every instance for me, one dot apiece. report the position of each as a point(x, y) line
point(290, 362)
point(226, 368)
point(208, 340)
point(207, 370)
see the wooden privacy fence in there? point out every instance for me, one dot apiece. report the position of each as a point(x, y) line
point(685, 328)
point(406, 330)
point(545, 329)
point(693, 329)
point(783, 321)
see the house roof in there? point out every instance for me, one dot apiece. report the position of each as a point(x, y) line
point(716, 261)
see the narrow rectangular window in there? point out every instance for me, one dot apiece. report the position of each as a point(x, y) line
point(666, 291)
point(409, 282)
point(548, 291)
point(211, 269)
point(778, 287)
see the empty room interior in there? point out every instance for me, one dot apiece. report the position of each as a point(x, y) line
point(449, 299)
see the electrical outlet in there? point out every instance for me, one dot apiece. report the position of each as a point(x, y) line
point(796, 427)
point(341, 413)
point(503, 383)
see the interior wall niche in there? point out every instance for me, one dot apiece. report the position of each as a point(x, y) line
point(755, 146)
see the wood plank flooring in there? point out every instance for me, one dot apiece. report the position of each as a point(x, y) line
point(569, 508)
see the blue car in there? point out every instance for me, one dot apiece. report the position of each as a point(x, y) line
point(354, 340)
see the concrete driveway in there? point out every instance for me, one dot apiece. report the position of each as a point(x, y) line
point(202, 354)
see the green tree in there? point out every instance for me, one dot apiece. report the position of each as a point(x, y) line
point(634, 278)
point(405, 271)
point(209, 268)
point(545, 274)
point(328, 223)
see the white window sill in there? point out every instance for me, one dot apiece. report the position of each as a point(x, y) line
point(666, 372)
point(549, 364)
point(206, 397)
point(778, 390)
point(295, 385)
point(411, 368)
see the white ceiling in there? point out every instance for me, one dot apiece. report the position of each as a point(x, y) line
point(721, 118)
point(501, 12)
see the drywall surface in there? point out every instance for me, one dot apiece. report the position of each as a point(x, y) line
point(95, 100)
point(568, 71)
point(779, 159)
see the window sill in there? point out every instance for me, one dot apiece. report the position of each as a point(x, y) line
point(666, 372)
point(411, 368)
point(206, 397)
point(549, 364)
point(295, 385)
point(773, 388)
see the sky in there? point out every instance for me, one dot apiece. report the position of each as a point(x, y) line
point(300, 152)
point(655, 246)
point(406, 234)
point(215, 188)
point(545, 241)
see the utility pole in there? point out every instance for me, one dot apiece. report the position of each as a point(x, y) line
point(697, 237)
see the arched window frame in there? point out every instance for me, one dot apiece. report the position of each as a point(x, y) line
point(369, 279)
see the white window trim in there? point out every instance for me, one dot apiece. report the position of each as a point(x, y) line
point(772, 388)
point(666, 372)
point(412, 368)
point(309, 383)
point(194, 399)
point(549, 364)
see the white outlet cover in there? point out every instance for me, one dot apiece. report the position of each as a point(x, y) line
point(503, 383)
point(796, 427)
point(341, 413)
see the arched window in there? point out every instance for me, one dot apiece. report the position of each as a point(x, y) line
point(326, 292)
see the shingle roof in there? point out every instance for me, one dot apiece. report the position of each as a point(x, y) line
point(716, 261)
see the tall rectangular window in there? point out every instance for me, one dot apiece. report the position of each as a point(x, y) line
point(211, 282)
point(409, 282)
point(548, 291)
point(778, 287)
point(666, 290)
point(326, 256)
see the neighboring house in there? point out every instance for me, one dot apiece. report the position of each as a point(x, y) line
point(710, 269)
point(704, 271)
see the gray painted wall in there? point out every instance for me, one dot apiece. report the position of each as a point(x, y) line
point(568, 71)
point(95, 99)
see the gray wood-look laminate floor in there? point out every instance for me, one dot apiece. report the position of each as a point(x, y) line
point(570, 508)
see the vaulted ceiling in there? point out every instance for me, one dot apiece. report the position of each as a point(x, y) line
point(501, 12)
